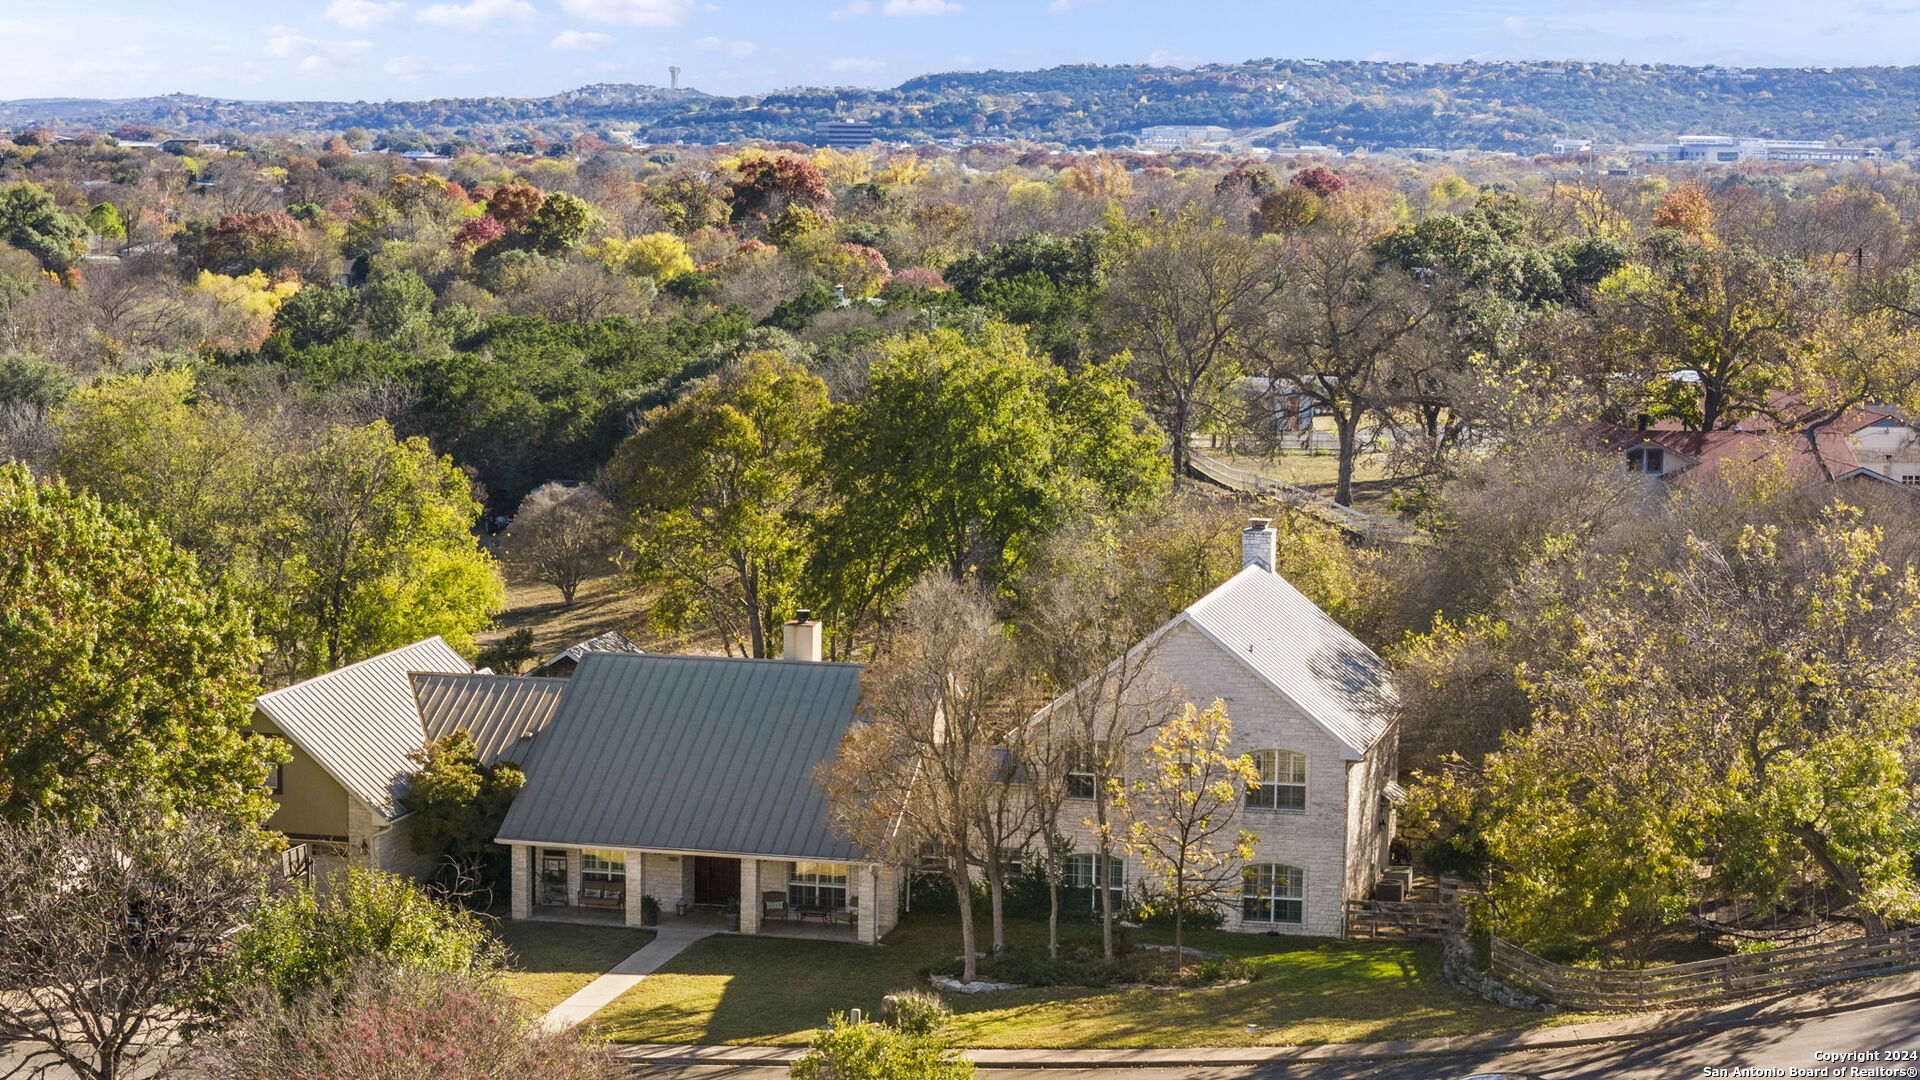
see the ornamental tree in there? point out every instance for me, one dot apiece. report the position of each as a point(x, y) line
point(1181, 818)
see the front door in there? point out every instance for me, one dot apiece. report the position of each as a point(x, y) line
point(553, 879)
point(716, 881)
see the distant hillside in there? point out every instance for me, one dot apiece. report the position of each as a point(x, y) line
point(1493, 106)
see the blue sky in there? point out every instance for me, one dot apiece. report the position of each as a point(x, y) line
point(375, 49)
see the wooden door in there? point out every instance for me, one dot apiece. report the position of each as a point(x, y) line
point(716, 881)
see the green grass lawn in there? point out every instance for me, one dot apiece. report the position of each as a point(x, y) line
point(553, 960)
point(766, 990)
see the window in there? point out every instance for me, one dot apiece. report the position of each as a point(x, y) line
point(1078, 873)
point(1910, 480)
point(1283, 781)
point(1083, 772)
point(818, 885)
point(1647, 459)
point(274, 779)
point(275, 783)
point(1273, 893)
point(603, 878)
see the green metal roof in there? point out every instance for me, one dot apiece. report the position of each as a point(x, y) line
point(689, 753)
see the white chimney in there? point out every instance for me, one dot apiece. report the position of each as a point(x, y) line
point(800, 639)
point(1259, 545)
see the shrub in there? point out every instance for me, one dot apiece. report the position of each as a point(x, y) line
point(916, 1012)
point(1215, 970)
point(419, 1023)
point(317, 934)
point(649, 911)
point(845, 1050)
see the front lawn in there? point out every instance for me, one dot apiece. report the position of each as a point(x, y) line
point(553, 960)
point(768, 990)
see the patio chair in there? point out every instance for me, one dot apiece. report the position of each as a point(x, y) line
point(852, 910)
point(774, 900)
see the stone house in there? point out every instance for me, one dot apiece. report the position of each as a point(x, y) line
point(1312, 706)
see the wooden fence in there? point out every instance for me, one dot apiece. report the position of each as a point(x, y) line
point(1794, 967)
point(1400, 920)
point(1360, 524)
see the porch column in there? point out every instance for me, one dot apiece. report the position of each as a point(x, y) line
point(522, 878)
point(636, 886)
point(864, 880)
point(749, 896)
point(573, 877)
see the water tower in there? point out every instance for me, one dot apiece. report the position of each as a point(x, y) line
point(675, 72)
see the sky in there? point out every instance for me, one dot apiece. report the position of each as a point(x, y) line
point(408, 49)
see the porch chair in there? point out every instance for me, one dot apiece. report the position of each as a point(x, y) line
point(774, 900)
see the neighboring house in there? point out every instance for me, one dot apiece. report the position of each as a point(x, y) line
point(350, 731)
point(566, 660)
point(1665, 451)
point(691, 779)
point(1312, 706)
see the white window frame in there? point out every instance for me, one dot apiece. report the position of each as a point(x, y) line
point(1077, 872)
point(1273, 786)
point(821, 881)
point(1272, 885)
point(603, 877)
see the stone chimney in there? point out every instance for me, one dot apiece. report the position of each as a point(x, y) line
point(1259, 544)
point(800, 639)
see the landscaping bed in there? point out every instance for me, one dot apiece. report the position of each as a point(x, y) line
point(746, 990)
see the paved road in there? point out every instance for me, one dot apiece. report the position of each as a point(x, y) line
point(1888, 1029)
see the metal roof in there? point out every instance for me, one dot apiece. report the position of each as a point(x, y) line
point(501, 712)
point(1301, 653)
point(613, 641)
point(359, 723)
point(691, 754)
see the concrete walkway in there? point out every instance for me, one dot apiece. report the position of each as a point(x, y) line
point(1761, 1011)
point(598, 994)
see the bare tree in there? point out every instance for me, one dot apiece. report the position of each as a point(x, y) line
point(1345, 320)
point(1185, 304)
point(108, 928)
point(1088, 636)
point(562, 536)
point(917, 778)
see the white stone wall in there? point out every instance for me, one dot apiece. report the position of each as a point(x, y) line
point(373, 842)
point(665, 878)
point(1316, 839)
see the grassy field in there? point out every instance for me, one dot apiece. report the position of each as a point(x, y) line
point(556, 959)
point(1320, 474)
point(771, 991)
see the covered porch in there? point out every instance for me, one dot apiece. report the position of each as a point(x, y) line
point(770, 896)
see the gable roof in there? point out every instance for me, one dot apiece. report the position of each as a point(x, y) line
point(689, 753)
point(1707, 451)
point(613, 641)
point(1301, 653)
point(359, 723)
point(499, 711)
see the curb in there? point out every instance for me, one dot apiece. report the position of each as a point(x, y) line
point(1463, 1045)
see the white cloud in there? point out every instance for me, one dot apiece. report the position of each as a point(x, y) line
point(739, 50)
point(853, 10)
point(1059, 6)
point(856, 65)
point(313, 55)
point(580, 40)
point(631, 12)
point(363, 14)
point(410, 68)
point(908, 9)
point(476, 14)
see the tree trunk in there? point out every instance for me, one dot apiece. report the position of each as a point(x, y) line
point(1179, 948)
point(566, 593)
point(963, 889)
point(1348, 429)
point(1053, 916)
point(1843, 877)
point(1179, 435)
point(997, 895)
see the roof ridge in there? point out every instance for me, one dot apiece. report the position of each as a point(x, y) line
point(366, 660)
point(723, 659)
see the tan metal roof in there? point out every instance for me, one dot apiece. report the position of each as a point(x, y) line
point(501, 712)
point(1301, 653)
point(359, 723)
